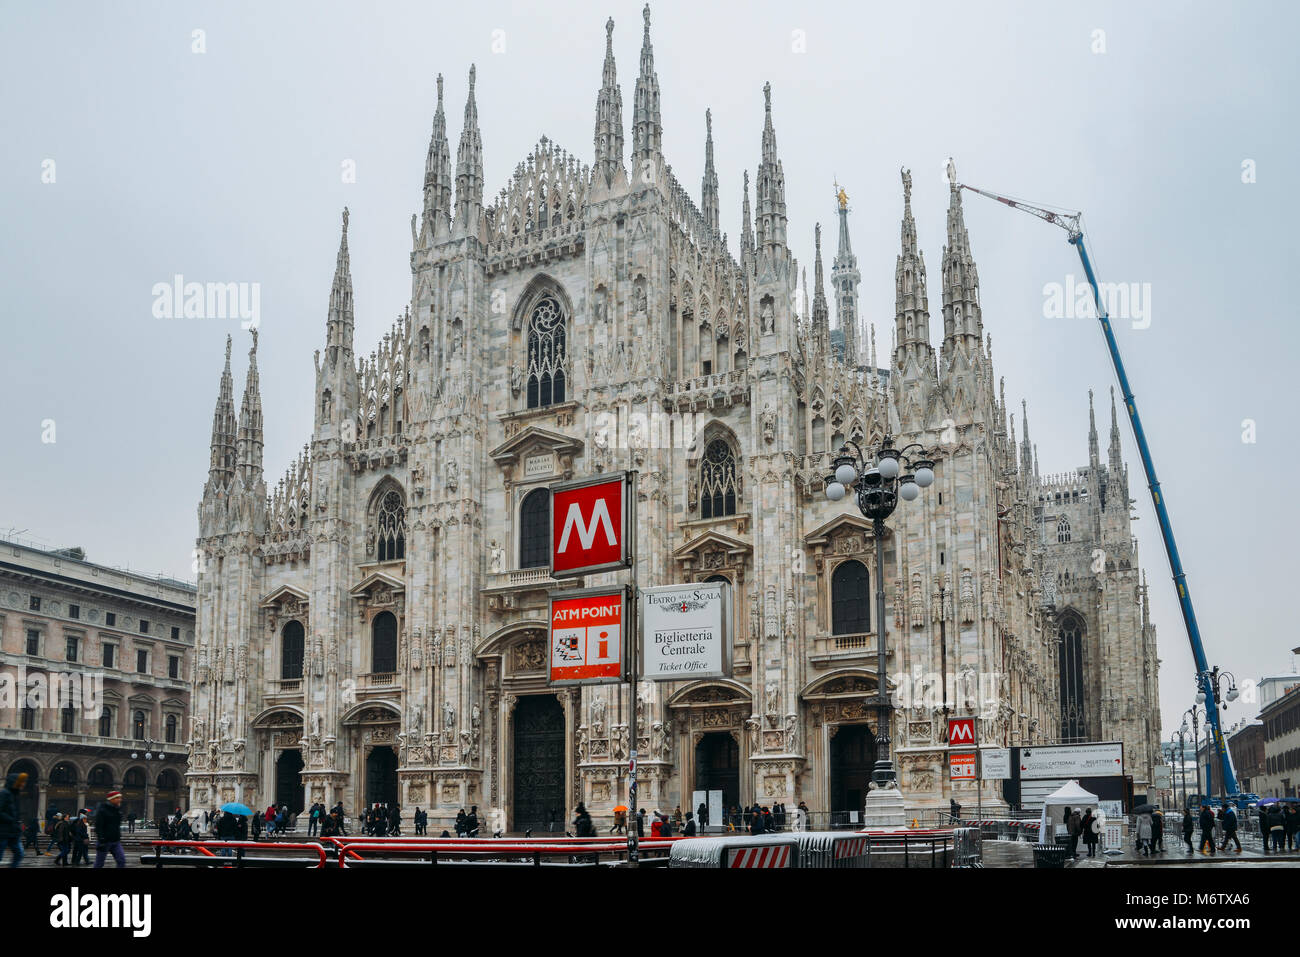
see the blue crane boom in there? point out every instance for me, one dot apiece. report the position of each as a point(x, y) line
point(1070, 223)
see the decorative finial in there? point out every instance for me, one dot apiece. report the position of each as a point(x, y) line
point(440, 90)
point(708, 121)
point(646, 16)
point(345, 221)
point(609, 34)
point(842, 196)
point(472, 71)
point(767, 97)
point(952, 173)
point(907, 185)
point(228, 350)
point(253, 351)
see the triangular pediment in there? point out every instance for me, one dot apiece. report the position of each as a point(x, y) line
point(377, 580)
point(285, 594)
point(710, 541)
point(535, 439)
point(844, 522)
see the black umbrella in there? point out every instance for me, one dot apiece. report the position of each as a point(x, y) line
point(1146, 809)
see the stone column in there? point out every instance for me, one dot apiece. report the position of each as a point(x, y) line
point(505, 751)
point(565, 697)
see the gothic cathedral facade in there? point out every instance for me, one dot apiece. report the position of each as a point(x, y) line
point(374, 627)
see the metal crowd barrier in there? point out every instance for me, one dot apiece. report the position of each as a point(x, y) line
point(740, 852)
point(940, 847)
point(535, 852)
point(239, 859)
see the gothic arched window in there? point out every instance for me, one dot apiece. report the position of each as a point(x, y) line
point(383, 644)
point(850, 599)
point(718, 480)
point(546, 354)
point(1063, 530)
point(535, 529)
point(391, 527)
point(291, 650)
point(1074, 723)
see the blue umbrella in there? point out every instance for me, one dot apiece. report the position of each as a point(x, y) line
point(234, 807)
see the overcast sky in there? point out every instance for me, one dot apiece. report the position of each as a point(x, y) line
point(227, 165)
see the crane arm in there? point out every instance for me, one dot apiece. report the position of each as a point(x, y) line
point(1070, 223)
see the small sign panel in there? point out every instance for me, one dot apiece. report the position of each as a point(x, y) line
point(591, 525)
point(687, 631)
point(588, 629)
point(961, 767)
point(995, 764)
point(961, 732)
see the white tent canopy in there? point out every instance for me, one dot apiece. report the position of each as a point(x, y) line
point(1070, 795)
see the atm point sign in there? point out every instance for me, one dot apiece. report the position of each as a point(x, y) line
point(587, 634)
point(591, 525)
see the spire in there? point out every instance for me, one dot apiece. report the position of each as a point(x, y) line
point(221, 468)
point(250, 422)
point(469, 168)
point(746, 225)
point(911, 299)
point(820, 313)
point(1116, 459)
point(770, 188)
point(437, 173)
point(1094, 459)
point(709, 190)
point(961, 307)
point(845, 278)
point(609, 114)
point(338, 331)
point(1026, 448)
point(647, 127)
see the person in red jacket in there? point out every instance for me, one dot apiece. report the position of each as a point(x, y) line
point(656, 828)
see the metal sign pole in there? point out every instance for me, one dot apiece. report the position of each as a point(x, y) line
point(629, 530)
point(632, 846)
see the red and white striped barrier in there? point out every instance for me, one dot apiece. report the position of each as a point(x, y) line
point(770, 856)
point(853, 847)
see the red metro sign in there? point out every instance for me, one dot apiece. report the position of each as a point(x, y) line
point(591, 525)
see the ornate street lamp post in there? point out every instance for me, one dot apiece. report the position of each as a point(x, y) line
point(878, 487)
point(1214, 678)
point(1196, 743)
point(1181, 735)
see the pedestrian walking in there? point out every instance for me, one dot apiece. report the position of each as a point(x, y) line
point(471, 821)
point(63, 838)
point(108, 830)
point(1277, 827)
point(80, 841)
point(1189, 826)
point(804, 822)
point(460, 823)
point(130, 823)
point(1207, 829)
point(11, 815)
point(1291, 826)
point(702, 815)
point(688, 827)
point(954, 810)
point(31, 834)
point(1144, 834)
point(620, 821)
point(1074, 828)
point(640, 822)
point(1091, 832)
point(583, 826)
point(1230, 828)
point(1157, 831)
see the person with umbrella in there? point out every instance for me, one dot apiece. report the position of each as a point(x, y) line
point(620, 820)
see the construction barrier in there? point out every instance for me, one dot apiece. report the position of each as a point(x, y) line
point(741, 851)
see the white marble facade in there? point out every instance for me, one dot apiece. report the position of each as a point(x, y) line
point(593, 318)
